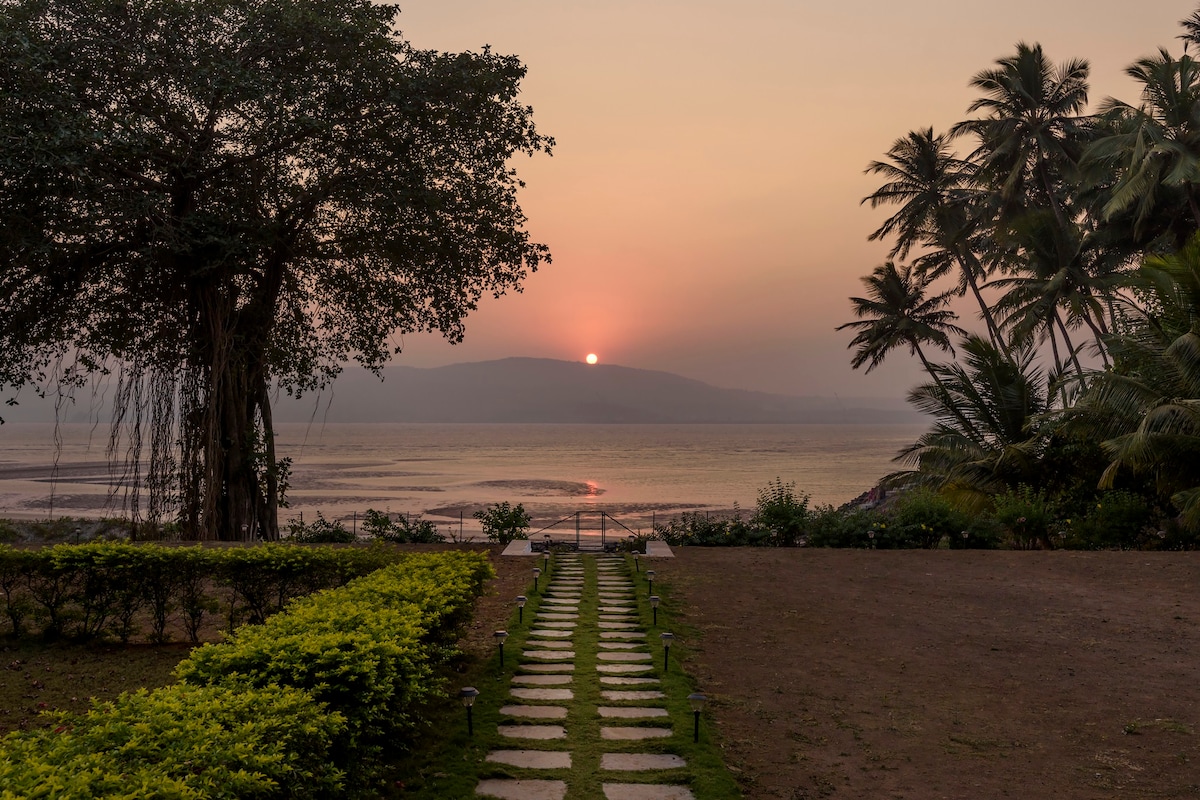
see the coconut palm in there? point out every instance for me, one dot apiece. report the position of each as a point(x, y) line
point(1032, 135)
point(1146, 411)
point(983, 407)
point(897, 313)
point(938, 210)
point(1154, 149)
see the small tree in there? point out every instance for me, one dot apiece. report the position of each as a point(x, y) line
point(503, 522)
point(781, 512)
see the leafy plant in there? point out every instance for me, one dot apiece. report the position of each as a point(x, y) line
point(782, 513)
point(503, 522)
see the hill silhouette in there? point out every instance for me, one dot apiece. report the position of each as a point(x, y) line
point(533, 390)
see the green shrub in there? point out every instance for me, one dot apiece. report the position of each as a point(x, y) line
point(402, 530)
point(781, 513)
point(180, 742)
point(842, 527)
point(922, 518)
point(698, 529)
point(321, 531)
point(1028, 517)
point(1117, 519)
point(503, 523)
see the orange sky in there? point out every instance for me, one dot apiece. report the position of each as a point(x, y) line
point(702, 205)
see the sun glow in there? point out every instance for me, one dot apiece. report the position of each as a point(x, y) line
point(591, 358)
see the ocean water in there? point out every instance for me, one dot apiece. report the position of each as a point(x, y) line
point(636, 473)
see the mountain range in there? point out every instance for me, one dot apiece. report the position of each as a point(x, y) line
point(539, 390)
point(533, 390)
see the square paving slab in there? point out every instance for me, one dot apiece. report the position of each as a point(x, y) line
point(636, 762)
point(646, 791)
point(541, 644)
point(534, 712)
point(624, 656)
point(632, 695)
point(632, 732)
point(631, 712)
point(505, 789)
point(542, 680)
point(532, 731)
point(550, 655)
point(619, 680)
point(531, 759)
point(564, 667)
point(542, 694)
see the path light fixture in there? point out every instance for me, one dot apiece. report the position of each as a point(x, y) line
point(637, 567)
point(521, 600)
point(654, 601)
point(546, 540)
point(467, 695)
point(667, 638)
point(536, 574)
point(500, 636)
point(871, 539)
point(546, 561)
point(650, 578)
point(697, 700)
point(965, 535)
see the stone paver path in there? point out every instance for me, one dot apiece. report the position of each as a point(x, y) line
point(588, 606)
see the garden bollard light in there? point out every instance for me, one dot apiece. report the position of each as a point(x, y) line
point(697, 700)
point(637, 567)
point(667, 638)
point(500, 637)
point(468, 694)
point(536, 574)
point(521, 600)
point(654, 601)
point(650, 578)
point(871, 539)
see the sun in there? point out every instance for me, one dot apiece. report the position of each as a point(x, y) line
point(591, 358)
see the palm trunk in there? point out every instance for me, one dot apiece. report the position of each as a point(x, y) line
point(969, 429)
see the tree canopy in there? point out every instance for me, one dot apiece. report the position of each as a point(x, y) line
point(214, 200)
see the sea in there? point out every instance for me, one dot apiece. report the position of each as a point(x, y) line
point(563, 474)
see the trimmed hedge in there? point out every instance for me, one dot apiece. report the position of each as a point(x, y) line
point(300, 706)
point(102, 588)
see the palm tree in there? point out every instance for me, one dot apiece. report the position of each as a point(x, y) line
point(933, 188)
point(896, 313)
point(1154, 148)
point(1031, 138)
point(983, 407)
point(1146, 411)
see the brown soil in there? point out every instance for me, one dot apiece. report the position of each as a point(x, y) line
point(940, 674)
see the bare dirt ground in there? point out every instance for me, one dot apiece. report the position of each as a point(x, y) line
point(946, 674)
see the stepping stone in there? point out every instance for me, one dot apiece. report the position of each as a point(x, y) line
point(558, 601)
point(533, 759)
point(625, 656)
point(645, 791)
point(563, 625)
point(623, 668)
point(631, 712)
point(542, 694)
point(632, 695)
point(532, 731)
point(547, 645)
point(507, 789)
point(622, 634)
point(615, 615)
point(550, 655)
point(622, 626)
point(534, 712)
point(621, 645)
point(542, 680)
point(617, 598)
point(628, 733)
point(565, 667)
point(556, 615)
point(633, 762)
point(551, 634)
point(617, 680)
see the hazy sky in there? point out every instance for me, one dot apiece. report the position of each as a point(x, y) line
point(702, 204)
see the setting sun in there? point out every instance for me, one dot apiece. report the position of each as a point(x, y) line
point(591, 358)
